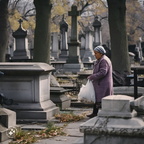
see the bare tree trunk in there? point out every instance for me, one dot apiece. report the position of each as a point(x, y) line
point(3, 28)
point(42, 31)
point(118, 34)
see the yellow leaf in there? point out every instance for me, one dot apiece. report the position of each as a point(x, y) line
point(25, 25)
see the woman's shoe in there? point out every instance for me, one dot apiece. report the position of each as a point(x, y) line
point(91, 115)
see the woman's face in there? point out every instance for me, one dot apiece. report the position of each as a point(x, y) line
point(98, 55)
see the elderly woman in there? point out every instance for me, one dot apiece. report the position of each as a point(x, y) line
point(101, 78)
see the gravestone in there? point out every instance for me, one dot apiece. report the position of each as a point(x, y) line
point(21, 52)
point(58, 94)
point(64, 44)
point(97, 32)
point(82, 41)
point(88, 57)
point(29, 85)
point(59, 97)
point(116, 123)
point(55, 46)
point(73, 63)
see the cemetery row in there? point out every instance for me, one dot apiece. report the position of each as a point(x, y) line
point(67, 51)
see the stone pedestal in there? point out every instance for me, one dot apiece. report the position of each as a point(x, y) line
point(117, 106)
point(73, 63)
point(29, 85)
point(116, 123)
point(59, 97)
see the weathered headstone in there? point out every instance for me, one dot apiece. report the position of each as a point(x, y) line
point(21, 44)
point(116, 123)
point(29, 85)
point(89, 54)
point(55, 46)
point(82, 41)
point(73, 63)
point(58, 94)
point(64, 44)
point(97, 32)
point(59, 97)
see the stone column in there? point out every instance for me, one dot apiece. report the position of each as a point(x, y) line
point(82, 41)
point(21, 44)
point(55, 46)
point(89, 54)
point(73, 63)
point(64, 43)
point(97, 32)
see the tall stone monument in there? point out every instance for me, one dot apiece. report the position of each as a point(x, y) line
point(83, 41)
point(55, 46)
point(64, 44)
point(73, 63)
point(21, 52)
point(89, 54)
point(97, 32)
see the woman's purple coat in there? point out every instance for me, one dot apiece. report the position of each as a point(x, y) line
point(102, 78)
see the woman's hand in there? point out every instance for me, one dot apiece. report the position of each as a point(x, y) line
point(89, 78)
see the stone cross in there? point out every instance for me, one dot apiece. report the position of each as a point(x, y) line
point(74, 13)
point(73, 62)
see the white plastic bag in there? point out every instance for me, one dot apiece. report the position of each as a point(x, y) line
point(87, 93)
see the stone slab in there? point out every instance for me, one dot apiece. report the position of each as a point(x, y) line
point(128, 90)
point(73, 67)
point(25, 68)
point(114, 130)
point(117, 106)
point(33, 127)
point(58, 140)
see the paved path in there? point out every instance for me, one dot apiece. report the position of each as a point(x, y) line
point(74, 136)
